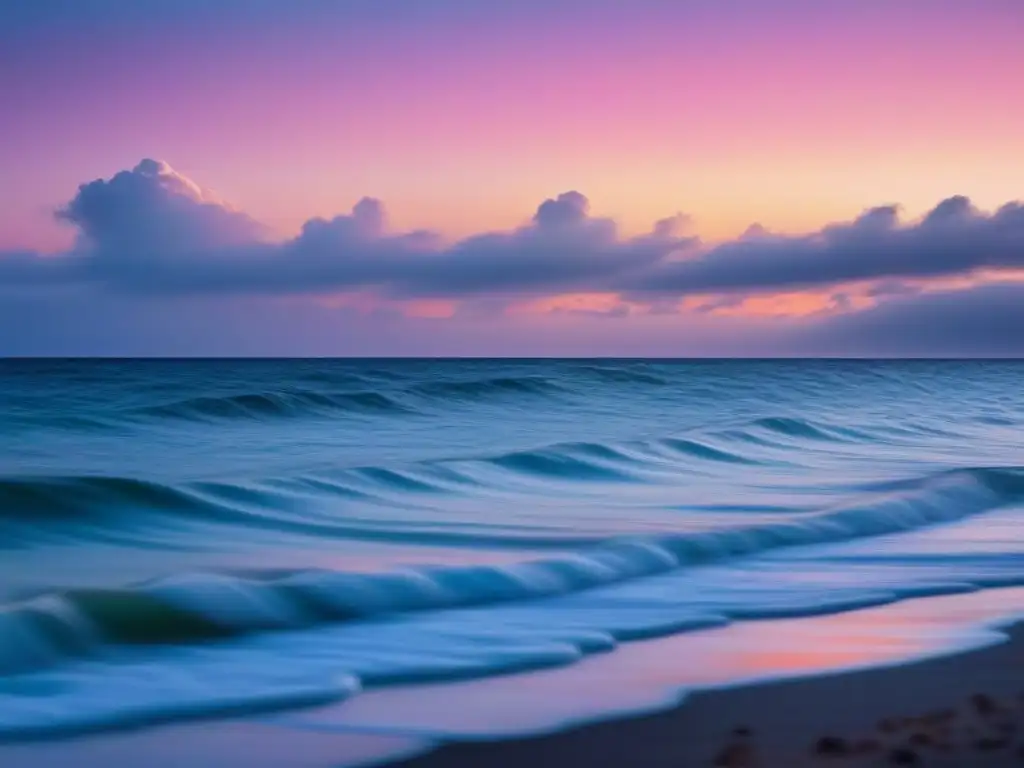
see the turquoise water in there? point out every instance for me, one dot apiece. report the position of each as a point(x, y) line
point(189, 539)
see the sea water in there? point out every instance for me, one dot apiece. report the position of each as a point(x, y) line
point(195, 539)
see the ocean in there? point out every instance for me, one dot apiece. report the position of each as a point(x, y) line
point(192, 539)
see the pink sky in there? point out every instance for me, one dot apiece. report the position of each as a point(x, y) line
point(790, 113)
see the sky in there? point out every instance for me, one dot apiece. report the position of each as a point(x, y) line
point(512, 177)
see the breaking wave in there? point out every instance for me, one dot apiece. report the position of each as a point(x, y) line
point(210, 606)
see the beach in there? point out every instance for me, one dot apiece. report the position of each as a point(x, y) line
point(922, 713)
point(850, 689)
point(940, 678)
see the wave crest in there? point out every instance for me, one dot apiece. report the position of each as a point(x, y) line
point(278, 404)
point(204, 607)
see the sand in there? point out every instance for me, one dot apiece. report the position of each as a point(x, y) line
point(919, 713)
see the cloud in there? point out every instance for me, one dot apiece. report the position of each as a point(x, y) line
point(980, 320)
point(159, 260)
point(152, 230)
point(153, 212)
point(952, 239)
point(138, 226)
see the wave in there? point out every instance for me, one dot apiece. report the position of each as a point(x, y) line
point(596, 462)
point(703, 451)
point(119, 510)
point(279, 404)
point(803, 428)
point(624, 375)
point(47, 498)
point(297, 403)
point(485, 388)
point(580, 462)
point(43, 498)
point(204, 607)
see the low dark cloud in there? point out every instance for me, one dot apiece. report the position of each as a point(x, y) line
point(952, 239)
point(986, 320)
point(150, 230)
point(974, 321)
point(161, 266)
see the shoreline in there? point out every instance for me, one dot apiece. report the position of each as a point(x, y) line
point(674, 701)
point(784, 721)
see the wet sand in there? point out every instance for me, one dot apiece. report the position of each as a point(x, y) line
point(954, 709)
point(960, 710)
